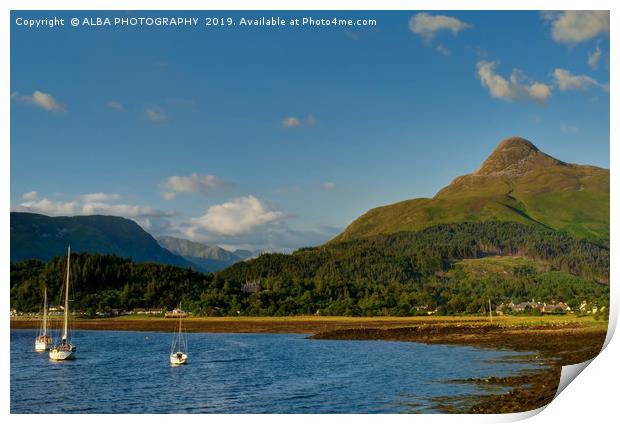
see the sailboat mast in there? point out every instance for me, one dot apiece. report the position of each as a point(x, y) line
point(180, 326)
point(45, 312)
point(66, 324)
point(181, 345)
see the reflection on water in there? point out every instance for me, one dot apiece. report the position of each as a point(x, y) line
point(124, 372)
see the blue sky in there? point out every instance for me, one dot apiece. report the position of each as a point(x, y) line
point(277, 138)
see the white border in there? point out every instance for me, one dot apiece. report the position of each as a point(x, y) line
point(593, 397)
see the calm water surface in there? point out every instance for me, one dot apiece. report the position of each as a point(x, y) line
point(123, 372)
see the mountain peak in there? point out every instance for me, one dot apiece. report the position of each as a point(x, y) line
point(515, 156)
point(515, 143)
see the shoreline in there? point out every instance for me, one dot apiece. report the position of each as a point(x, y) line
point(557, 341)
point(295, 324)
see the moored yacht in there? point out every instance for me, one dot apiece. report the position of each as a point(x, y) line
point(178, 350)
point(43, 340)
point(65, 350)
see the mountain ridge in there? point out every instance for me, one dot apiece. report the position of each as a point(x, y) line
point(208, 258)
point(36, 236)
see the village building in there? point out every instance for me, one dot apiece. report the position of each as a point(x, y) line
point(528, 307)
point(555, 308)
point(252, 287)
point(177, 313)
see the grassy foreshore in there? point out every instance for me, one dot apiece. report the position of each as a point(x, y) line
point(557, 341)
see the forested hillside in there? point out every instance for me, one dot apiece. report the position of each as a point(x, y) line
point(398, 274)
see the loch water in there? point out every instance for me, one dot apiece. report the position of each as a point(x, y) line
point(128, 372)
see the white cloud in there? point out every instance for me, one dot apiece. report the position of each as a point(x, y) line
point(232, 218)
point(266, 238)
point(576, 26)
point(115, 105)
point(246, 223)
point(99, 197)
point(128, 211)
point(49, 207)
point(155, 114)
point(443, 50)
point(41, 100)
point(329, 186)
point(291, 122)
point(88, 204)
point(31, 195)
point(156, 226)
point(567, 81)
point(276, 237)
point(194, 183)
point(518, 88)
point(427, 25)
point(595, 57)
point(46, 101)
point(569, 129)
point(294, 122)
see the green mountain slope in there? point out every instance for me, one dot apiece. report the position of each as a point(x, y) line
point(35, 236)
point(517, 183)
point(206, 258)
point(408, 256)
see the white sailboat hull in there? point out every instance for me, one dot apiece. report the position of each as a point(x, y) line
point(178, 358)
point(41, 346)
point(62, 355)
point(43, 341)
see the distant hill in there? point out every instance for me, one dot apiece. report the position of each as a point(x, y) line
point(516, 183)
point(245, 254)
point(35, 236)
point(206, 258)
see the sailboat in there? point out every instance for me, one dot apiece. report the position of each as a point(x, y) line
point(65, 350)
point(43, 340)
point(178, 350)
